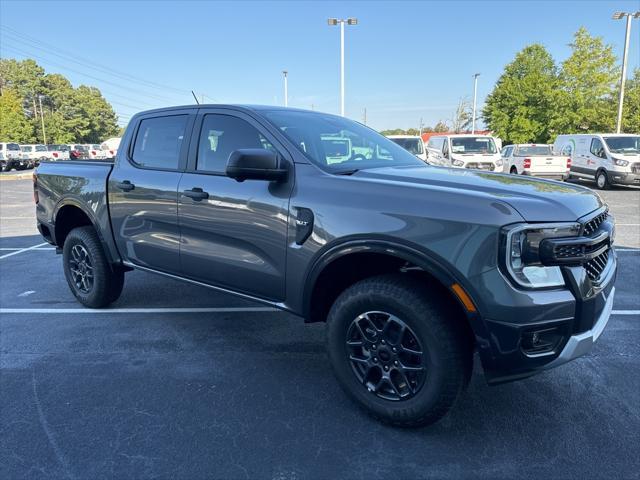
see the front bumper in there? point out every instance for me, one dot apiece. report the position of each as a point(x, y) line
point(582, 343)
point(624, 178)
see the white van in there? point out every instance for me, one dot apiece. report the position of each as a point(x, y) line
point(465, 151)
point(607, 158)
point(411, 143)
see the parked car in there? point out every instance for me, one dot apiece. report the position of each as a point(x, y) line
point(110, 146)
point(11, 157)
point(411, 143)
point(413, 268)
point(58, 152)
point(78, 152)
point(607, 158)
point(35, 152)
point(96, 152)
point(479, 152)
point(536, 160)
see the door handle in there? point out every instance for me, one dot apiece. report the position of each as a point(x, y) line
point(125, 185)
point(196, 194)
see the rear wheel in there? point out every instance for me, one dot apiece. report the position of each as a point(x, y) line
point(90, 277)
point(398, 350)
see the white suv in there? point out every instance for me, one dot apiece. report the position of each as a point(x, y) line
point(11, 157)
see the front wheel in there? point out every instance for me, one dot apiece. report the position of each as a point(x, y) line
point(602, 180)
point(90, 277)
point(398, 350)
point(513, 171)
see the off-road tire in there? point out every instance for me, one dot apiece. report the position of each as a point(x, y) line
point(107, 281)
point(438, 326)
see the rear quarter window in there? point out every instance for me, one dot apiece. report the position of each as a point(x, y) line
point(159, 141)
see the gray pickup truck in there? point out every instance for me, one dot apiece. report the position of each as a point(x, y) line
point(413, 267)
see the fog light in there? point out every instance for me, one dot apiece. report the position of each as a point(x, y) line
point(543, 341)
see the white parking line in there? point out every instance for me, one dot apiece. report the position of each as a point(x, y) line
point(23, 250)
point(185, 310)
point(40, 249)
point(141, 310)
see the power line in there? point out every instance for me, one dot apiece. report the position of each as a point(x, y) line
point(83, 61)
point(42, 59)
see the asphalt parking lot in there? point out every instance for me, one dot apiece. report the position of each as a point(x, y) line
point(177, 381)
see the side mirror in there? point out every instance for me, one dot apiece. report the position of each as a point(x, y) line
point(256, 164)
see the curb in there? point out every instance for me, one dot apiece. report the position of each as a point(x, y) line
point(19, 176)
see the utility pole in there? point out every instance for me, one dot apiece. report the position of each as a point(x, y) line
point(286, 89)
point(618, 16)
point(421, 125)
point(44, 135)
point(475, 95)
point(364, 117)
point(348, 21)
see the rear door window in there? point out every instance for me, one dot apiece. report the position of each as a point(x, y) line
point(159, 141)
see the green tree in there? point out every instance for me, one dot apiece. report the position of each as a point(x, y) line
point(521, 105)
point(587, 83)
point(631, 111)
point(14, 125)
point(70, 114)
point(441, 127)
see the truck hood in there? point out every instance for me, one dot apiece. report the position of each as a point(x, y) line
point(536, 200)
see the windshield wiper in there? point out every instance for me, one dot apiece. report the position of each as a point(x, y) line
point(347, 172)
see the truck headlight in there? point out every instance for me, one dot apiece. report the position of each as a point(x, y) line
point(522, 261)
point(499, 163)
point(620, 162)
point(458, 163)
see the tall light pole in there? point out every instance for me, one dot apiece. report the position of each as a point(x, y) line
point(618, 16)
point(286, 89)
point(336, 21)
point(44, 135)
point(475, 96)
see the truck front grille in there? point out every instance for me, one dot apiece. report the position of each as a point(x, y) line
point(482, 166)
point(596, 266)
point(592, 225)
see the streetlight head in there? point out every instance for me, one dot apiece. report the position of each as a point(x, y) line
point(618, 15)
point(352, 21)
point(332, 21)
point(636, 14)
point(285, 72)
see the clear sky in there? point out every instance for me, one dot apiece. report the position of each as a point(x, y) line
point(404, 60)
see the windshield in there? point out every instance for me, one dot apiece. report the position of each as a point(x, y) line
point(468, 145)
point(96, 147)
point(413, 145)
point(26, 148)
point(624, 145)
point(41, 148)
point(81, 148)
point(64, 148)
point(337, 144)
point(533, 150)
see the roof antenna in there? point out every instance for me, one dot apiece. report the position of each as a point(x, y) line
point(194, 96)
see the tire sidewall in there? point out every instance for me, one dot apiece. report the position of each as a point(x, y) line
point(428, 396)
point(93, 298)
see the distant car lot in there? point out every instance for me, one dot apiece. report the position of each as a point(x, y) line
point(180, 381)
